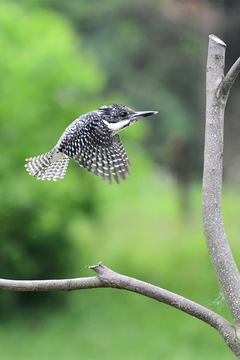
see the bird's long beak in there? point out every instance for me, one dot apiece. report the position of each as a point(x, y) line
point(121, 125)
point(140, 114)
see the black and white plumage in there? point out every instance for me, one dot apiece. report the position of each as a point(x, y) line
point(92, 140)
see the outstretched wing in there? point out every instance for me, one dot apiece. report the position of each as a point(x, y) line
point(121, 149)
point(102, 154)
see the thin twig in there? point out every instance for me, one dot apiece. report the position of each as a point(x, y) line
point(230, 78)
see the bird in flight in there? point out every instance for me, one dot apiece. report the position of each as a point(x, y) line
point(92, 140)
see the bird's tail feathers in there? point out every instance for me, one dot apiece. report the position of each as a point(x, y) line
point(43, 168)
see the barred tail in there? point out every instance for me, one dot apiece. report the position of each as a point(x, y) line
point(44, 167)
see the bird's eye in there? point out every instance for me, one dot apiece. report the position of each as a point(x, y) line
point(123, 114)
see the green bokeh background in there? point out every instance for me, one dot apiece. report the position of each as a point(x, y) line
point(59, 60)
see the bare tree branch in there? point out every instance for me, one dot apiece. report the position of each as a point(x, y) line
point(108, 278)
point(229, 79)
point(51, 285)
point(218, 88)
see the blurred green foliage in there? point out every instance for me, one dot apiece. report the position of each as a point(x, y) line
point(155, 244)
point(154, 53)
point(155, 61)
point(45, 84)
point(58, 60)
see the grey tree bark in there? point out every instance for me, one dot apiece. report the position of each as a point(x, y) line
point(218, 87)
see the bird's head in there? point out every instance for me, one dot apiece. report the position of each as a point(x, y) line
point(117, 117)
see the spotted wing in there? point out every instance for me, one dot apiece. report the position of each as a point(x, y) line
point(121, 149)
point(102, 154)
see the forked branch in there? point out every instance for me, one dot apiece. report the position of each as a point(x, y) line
point(218, 88)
